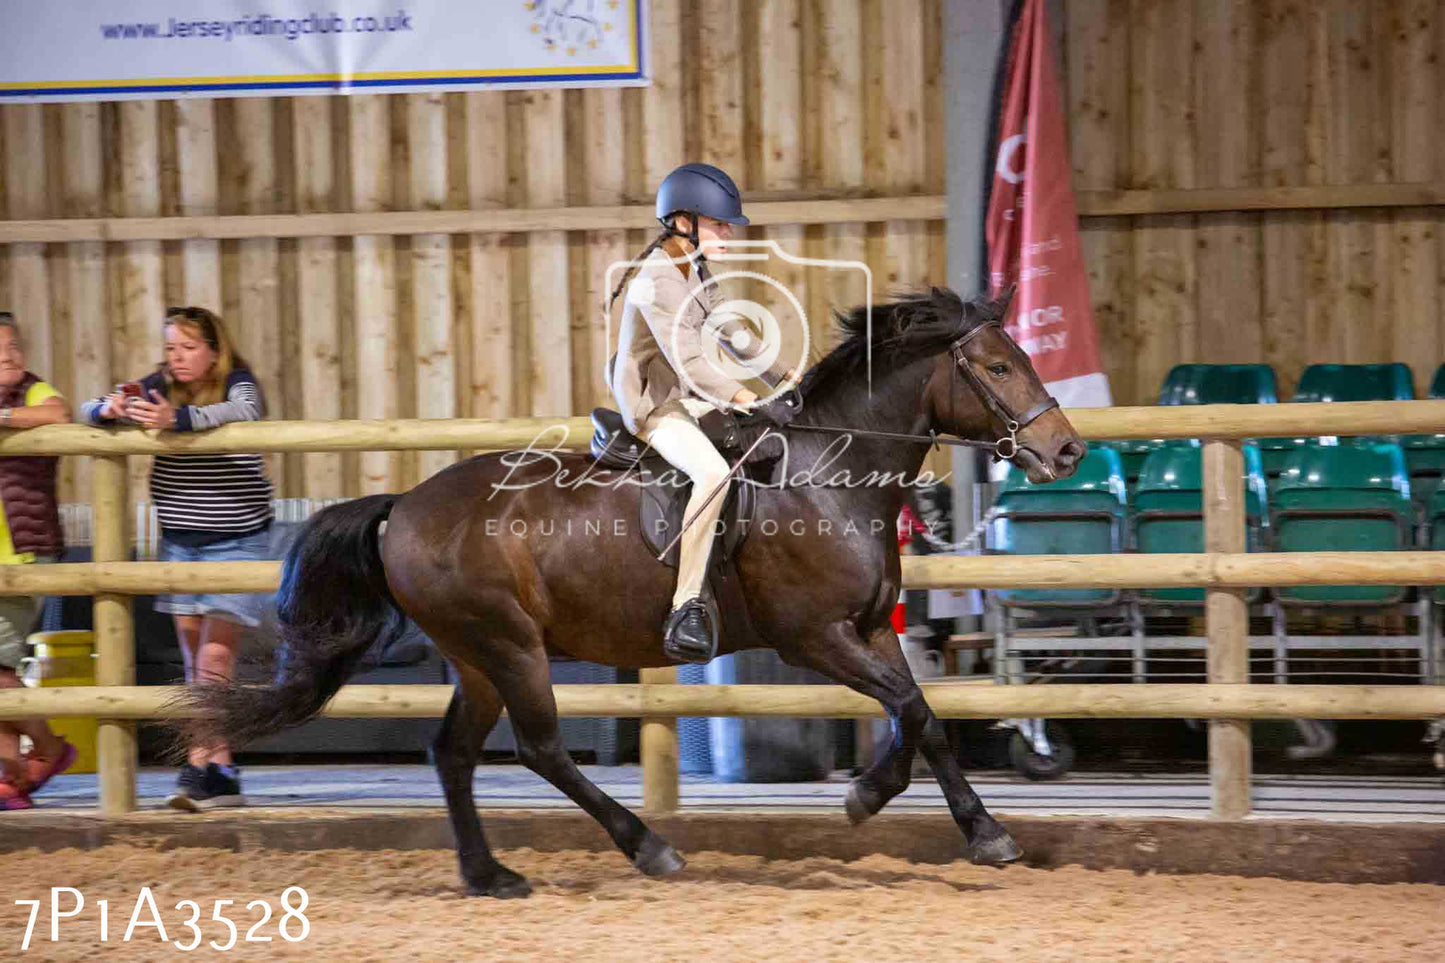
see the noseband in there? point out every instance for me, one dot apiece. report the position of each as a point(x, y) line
point(1007, 447)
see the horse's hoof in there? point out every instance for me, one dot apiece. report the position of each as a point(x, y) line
point(503, 884)
point(656, 858)
point(860, 804)
point(995, 851)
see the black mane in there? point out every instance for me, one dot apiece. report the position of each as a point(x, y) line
point(905, 329)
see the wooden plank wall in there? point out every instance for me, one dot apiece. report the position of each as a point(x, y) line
point(799, 98)
point(1259, 93)
point(796, 98)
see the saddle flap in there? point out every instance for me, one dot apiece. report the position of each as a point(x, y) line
point(662, 509)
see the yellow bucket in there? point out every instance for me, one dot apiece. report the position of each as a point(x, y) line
point(61, 659)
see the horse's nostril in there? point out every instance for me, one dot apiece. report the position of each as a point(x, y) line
point(1071, 453)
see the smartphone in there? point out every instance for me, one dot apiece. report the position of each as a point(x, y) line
point(131, 389)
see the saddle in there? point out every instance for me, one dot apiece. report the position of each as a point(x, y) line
point(661, 508)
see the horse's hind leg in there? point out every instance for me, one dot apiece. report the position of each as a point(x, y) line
point(473, 711)
point(525, 682)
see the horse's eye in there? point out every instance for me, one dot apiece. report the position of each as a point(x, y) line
point(998, 369)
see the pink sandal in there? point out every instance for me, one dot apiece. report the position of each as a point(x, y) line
point(39, 771)
point(12, 797)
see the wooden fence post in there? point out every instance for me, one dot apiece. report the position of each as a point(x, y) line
point(1227, 624)
point(114, 635)
point(659, 749)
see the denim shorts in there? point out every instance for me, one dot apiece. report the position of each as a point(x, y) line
point(17, 619)
point(248, 609)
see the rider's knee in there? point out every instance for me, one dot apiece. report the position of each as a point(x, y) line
point(712, 476)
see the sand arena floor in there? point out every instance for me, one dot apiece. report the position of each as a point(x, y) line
point(391, 905)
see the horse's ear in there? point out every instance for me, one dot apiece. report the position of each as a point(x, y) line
point(1000, 305)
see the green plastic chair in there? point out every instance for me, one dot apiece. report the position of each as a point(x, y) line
point(1080, 515)
point(1219, 384)
point(1425, 455)
point(1356, 382)
point(1200, 384)
point(1131, 458)
point(1168, 513)
point(1342, 498)
point(1340, 382)
point(1435, 533)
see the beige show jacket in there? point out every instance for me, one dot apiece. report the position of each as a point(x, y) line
point(662, 335)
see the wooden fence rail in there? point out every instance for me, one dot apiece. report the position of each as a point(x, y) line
point(948, 700)
point(1224, 569)
point(573, 433)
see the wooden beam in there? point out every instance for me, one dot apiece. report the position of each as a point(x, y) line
point(658, 751)
point(506, 220)
point(1227, 624)
point(820, 209)
point(199, 185)
point(90, 314)
point(573, 433)
point(1224, 570)
point(1220, 199)
point(949, 700)
point(317, 308)
point(432, 304)
point(374, 282)
point(114, 638)
point(1257, 421)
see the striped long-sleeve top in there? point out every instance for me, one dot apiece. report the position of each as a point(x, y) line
point(207, 498)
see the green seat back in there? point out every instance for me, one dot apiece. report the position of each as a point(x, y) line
point(1079, 515)
point(1437, 383)
point(1219, 384)
point(1356, 382)
point(1172, 482)
point(1363, 493)
point(1425, 454)
point(1340, 382)
point(1435, 530)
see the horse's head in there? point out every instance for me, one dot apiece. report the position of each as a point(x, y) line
point(985, 387)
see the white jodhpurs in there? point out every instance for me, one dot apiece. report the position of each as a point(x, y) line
point(673, 432)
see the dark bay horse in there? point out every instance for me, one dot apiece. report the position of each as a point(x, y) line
point(494, 559)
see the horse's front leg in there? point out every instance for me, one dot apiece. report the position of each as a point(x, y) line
point(875, 667)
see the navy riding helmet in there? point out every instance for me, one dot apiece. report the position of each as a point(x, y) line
point(700, 189)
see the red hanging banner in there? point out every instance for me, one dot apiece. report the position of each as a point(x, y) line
point(1032, 226)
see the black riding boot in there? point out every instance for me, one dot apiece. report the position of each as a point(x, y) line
point(690, 633)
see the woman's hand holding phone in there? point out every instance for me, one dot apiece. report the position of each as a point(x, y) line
point(117, 403)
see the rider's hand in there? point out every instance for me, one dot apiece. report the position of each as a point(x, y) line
point(745, 398)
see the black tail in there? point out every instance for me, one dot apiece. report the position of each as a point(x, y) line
point(333, 605)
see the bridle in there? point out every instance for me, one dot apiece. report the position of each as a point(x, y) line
point(1006, 447)
point(1012, 423)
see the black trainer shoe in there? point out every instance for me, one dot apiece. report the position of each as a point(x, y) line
point(209, 788)
point(689, 634)
point(187, 784)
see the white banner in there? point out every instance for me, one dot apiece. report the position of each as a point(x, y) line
point(161, 49)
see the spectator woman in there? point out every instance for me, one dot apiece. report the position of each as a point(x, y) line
point(29, 533)
point(212, 508)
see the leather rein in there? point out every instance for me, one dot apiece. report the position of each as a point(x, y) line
point(1004, 449)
